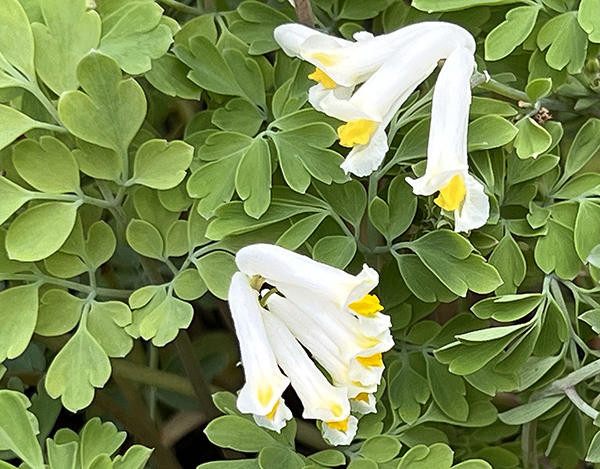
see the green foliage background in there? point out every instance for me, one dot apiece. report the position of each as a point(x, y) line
point(142, 144)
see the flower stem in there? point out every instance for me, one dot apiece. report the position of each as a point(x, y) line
point(182, 7)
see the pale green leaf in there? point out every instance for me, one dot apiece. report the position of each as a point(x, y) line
point(160, 164)
point(18, 316)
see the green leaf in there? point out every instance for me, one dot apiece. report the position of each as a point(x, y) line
point(106, 322)
point(362, 463)
point(40, 231)
point(300, 231)
point(523, 170)
point(188, 285)
point(448, 390)
point(530, 411)
point(111, 110)
point(136, 457)
point(510, 263)
point(145, 239)
point(216, 269)
point(587, 227)
point(431, 6)
point(236, 464)
point(508, 35)
point(12, 197)
point(17, 430)
point(99, 438)
point(224, 150)
point(583, 185)
point(585, 145)
point(59, 313)
point(18, 315)
point(438, 455)
point(210, 70)
point(507, 308)
point(98, 162)
point(336, 251)
point(259, 21)
point(303, 153)
point(169, 76)
point(348, 200)
point(160, 164)
point(14, 123)
point(593, 453)
point(238, 115)
point(395, 219)
point(16, 38)
point(279, 457)
point(421, 281)
point(359, 10)
point(79, 367)
point(329, 458)
point(253, 178)
point(490, 132)
point(231, 219)
point(133, 35)
point(532, 139)
point(69, 33)
point(589, 19)
point(568, 42)
point(161, 319)
point(538, 89)
point(556, 250)
point(448, 256)
point(381, 448)
point(100, 244)
point(408, 390)
point(239, 434)
point(48, 165)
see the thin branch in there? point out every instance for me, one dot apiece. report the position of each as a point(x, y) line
point(304, 13)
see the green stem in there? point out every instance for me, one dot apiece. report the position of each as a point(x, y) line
point(35, 90)
point(152, 377)
point(578, 402)
point(182, 7)
point(71, 198)
point(529, 445)
point(504, 90)
point(372, 233)
point(572, 379)
point(187, 354)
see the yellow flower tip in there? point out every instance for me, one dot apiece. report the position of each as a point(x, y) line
point(271, 415)
point(321, 77)
point(341, 426)
point(265, 394)
point(357, 132)
point(336, 409)
point(363, 396)
point(368, 306)
point(373, 360)
point(326, 59)
point(453, 194)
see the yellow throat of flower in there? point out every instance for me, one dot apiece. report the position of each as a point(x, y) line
point(373, 360)
point(271, 415)
point(453, 194)
point(265, 394)
point(363, 397)
point(341, 426)
point(368, 306)
point(357, 132)
point(321, 77)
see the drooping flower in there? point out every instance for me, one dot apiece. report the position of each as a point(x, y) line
point(391, 67)
point(261, 394)
point(331, 314)
point(447, 162)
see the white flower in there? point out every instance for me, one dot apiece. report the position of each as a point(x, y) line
point(320, 399)
point(261, 394)
point(330, 313)
point(391, 65)
point(447, 163)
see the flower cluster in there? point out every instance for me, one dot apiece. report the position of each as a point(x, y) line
point(366, 82)
point(285, 306)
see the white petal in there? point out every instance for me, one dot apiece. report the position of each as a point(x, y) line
point(375, 324)
point(278, 420)
point(310, 333)
point(364, 159)
point(364, 407)
point(281, 266)
point(447, 149)
point(321, 400)
point(476, 208)
point(318, 93)
point(291, 37)
point(264, 382)
point(337, 437)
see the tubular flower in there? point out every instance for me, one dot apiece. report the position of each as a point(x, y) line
point(323, 309)
point(447, 163)
point(391, 67)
